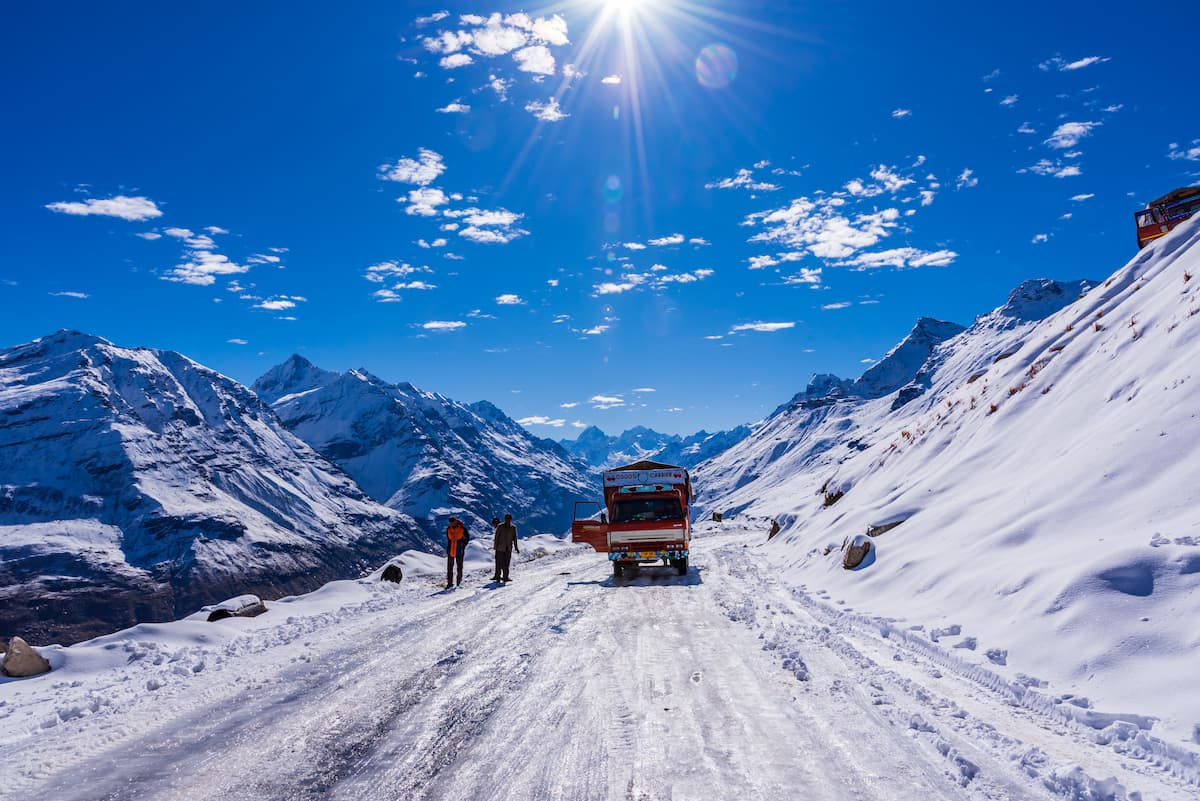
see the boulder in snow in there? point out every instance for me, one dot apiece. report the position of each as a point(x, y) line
point(392, 573)
point(23, 660)
point(241, 606)
point(855, 551)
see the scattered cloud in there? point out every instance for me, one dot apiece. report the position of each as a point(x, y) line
point(443, 325)
point(201, 266)
point(455, 60)
point(542, 420)
point(454, 108)
point(634, 246)
point(237, 341)
point(1190, 152)
point(424, 201)
point(537, 59)
point(510, 300)
point(762, 327)
point(743, 180)
point(421, 171)
point(1068, 134)
point(1026, 128)
point(644, 389)
point(280, 302)
point(571, 405)
point(1062, 65)
point(672, 239)
point(435, 17)
point(966, 179)
point(834, 306)
point(387, 270)
point(490, 227)
point(612, 80)
point(599, 329)
point(549, 111)
point(1053, 168)
point(807, 276)
point(699, 241)
point(120, 206)
point(76, 295)
point(149, 236)
point(901, 113)
point(901, 258)
point(1011, 100)
point(1081, 198)
point(606, 401)
point(1040, 238)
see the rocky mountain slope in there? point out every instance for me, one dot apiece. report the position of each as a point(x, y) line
point(137, 485)
point(424, 454)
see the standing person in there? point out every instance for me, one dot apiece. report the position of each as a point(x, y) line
point(505, 543)
point(456, 549)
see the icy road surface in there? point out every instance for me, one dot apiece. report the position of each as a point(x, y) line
point(721, 684)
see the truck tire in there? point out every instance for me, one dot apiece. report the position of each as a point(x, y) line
point(681, 566)
point(618, 570)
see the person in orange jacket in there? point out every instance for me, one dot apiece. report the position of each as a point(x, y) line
point(456, 549)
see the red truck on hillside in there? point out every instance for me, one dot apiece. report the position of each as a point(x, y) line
point(646, 517)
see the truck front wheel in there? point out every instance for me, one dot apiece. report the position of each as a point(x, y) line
point(618, 570)
point(681, 566)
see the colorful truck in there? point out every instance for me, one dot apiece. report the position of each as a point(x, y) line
point(646, 517)
point(1165, 213)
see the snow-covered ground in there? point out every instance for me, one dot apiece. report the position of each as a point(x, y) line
point(722, 684)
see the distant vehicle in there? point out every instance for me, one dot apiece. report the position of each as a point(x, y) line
point(1165, 213)
point(646, 517)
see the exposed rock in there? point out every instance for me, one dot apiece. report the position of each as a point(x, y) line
point(242, 606)
point(392, 573)
point(774, 530)
point(22, 660)
point(717, 518)
point(855, 551)
point(883, 528)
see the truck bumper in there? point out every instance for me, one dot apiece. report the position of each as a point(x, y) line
point(648, 554)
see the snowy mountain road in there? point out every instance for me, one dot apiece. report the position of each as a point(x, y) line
point(721, 684)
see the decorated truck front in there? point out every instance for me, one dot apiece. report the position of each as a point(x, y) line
point(645, 517)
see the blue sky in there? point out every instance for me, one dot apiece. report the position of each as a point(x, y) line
point(614, 213)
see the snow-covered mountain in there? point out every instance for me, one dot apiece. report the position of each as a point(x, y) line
point(602, 451)
point(1038, 475)
point(424, 454)
point(137, 485)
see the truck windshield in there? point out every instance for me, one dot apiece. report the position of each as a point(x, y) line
point(636, 510)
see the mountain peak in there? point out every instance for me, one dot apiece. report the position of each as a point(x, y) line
point(1038, 298)
point(903, 362)
point(297, 374)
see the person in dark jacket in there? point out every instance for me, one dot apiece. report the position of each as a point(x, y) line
point(456, 549)
point(505, 542)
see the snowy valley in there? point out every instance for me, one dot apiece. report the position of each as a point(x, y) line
point(1022, 627)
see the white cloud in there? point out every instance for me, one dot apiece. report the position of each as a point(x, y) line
point(1039, 238)
point(201, 267)
point(216, 230)
point(1190, 152)
point(500, 86)
point(424, 201)
point(552, 31)
point(1114, 108)
point(644, 389)
point(809, 276)
point(835, 306)
point(1081, 198)
point(901, 258)
point(280, 303)
point(612, 80)
point(435, 17)
point(571, 72)
point(489, 236)
point(762, 327)
point(966, 179)
point(416, 285)
point(759, 262)
point(237, 341)
point(447, 42)
point(634, 246)
point(552, 282)
point(456, 60)
point(120, 206)
point(743, 180)
point(443, 325)
point(1026, 128)
point(149, 236)
point(614, 288)
point(549, 111)
point(1062, 65)
point(1053, 168)
point(1011, 100)
point(699, 241)
point(672, 239)
point(496, 39)
point(421, 171)
point(606, 401)
point(901, 113)
point(378, 273)
point(76, 295)
point(591, 332)
point(571, 405)
point(510, 300)
point(537, 59)
point(1068, 134)
point(454, 108)
point(541, 420)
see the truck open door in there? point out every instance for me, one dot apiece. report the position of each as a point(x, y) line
point(589, 525)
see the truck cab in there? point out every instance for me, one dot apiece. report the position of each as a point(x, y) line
point(1165, 213)
point(645, 517)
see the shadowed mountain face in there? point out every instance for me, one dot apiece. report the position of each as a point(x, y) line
point(426, 455)
point(137, 485)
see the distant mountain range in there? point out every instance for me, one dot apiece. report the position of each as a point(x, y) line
point(425, 455)
point(602, 452)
